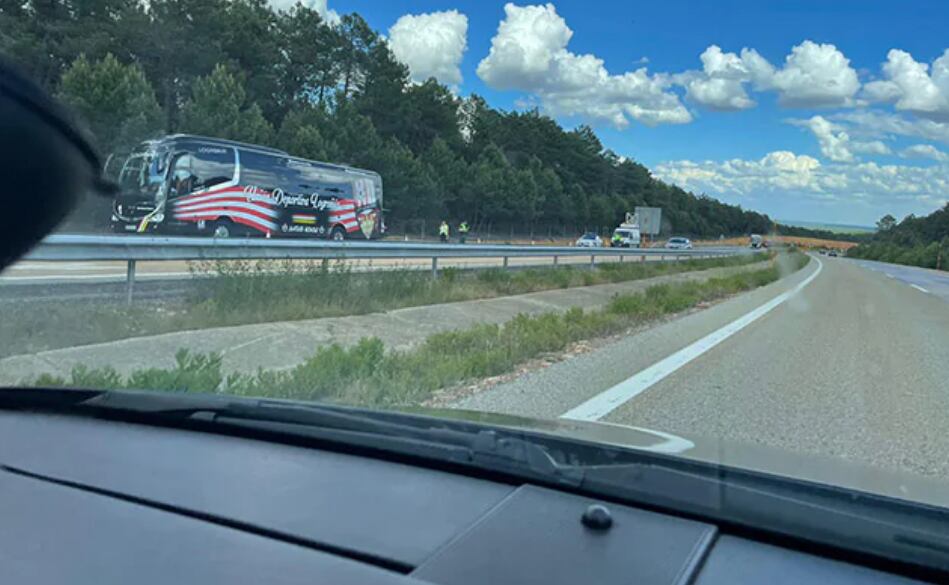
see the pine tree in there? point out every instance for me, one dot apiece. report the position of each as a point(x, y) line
point(218, 108)
point(115, 101)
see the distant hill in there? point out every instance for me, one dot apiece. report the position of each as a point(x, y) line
point(837, 228)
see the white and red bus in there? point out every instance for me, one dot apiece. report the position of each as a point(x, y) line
point(194, 185)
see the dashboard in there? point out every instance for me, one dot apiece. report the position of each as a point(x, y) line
point(89, 500)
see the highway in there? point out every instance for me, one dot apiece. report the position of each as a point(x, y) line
point(927, 281)
point(838, 360)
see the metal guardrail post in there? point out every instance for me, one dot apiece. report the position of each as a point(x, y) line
point(505, 261)
point(555, 260)
point(643, 257)
point(434, 267)
point(129, 281)
point(592, 260)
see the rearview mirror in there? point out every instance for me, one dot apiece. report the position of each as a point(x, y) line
point(46, 164)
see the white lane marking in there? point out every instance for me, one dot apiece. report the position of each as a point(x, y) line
point(919, 288)
point(609, 400)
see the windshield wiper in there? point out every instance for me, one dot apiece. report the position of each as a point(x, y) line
point(414, 436)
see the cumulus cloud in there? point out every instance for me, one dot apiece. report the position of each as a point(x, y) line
point(529, 53)
point(329, 15)
point(785, 175)
point(871, 123)
point(432, 45)
point(835, 142)
point(816, 75)
point(913, 86)
point(813, 75)
point(721, 83)
point(924, 151)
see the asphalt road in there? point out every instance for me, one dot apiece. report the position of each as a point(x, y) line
point(853, 364)
point(922, 279)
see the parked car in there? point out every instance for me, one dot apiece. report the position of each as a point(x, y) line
point(679, 244)
point(590, 240)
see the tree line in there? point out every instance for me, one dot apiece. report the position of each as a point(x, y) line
point(237, 69)
point(917, 241)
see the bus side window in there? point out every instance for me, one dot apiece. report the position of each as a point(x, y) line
point(264, 171)
point(181, 177)
point(212, 166)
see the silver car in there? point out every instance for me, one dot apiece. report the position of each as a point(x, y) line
point(679, 244)
point(590, 240)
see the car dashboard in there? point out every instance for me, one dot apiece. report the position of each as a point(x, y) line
point(100, 501)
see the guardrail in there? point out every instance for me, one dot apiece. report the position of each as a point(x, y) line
point(132, 249)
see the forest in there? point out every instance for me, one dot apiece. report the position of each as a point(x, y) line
point(238, 69)
point(917, 241)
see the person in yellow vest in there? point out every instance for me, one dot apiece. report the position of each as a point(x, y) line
point(443, 231)
point(463, 232)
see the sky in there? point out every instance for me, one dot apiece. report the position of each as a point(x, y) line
point(833, 112)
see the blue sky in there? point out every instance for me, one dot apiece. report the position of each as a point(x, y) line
point(874, 142)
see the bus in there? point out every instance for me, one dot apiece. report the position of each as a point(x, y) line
point(194, 185)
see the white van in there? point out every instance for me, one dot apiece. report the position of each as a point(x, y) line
point(626, 237)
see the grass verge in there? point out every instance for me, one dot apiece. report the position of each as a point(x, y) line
point(367, 374)
point(238, 293)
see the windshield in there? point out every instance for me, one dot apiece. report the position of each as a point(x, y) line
point(469, 209)
point(136, 174)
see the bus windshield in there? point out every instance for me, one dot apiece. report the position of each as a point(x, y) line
point(142, 172)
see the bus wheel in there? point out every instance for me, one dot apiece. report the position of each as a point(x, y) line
point(338, 234)
point(221, 230)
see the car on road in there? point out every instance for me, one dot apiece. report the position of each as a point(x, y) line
point(832, 253)
point(590, 240)
point(679, 244)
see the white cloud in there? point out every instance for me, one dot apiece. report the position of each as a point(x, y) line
point(924, 151)
point(784, 176)
point(816, 75)
point(870, 147)
point(529, 53)
point(835, 142)
point(432, 45)
point(720, 84)
point(813, 75)
point(879, 124)
point(330, 16)
point(912, 86)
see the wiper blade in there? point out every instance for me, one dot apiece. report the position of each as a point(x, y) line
point(485, 448)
